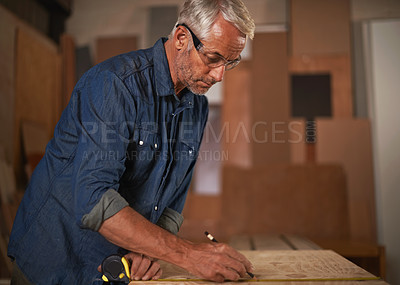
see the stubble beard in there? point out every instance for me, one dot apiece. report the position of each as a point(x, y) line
point(186, 74)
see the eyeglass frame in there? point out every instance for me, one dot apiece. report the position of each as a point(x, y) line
point(199, 47)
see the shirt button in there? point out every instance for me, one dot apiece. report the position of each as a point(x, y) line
point(141, 142)
point(156, 145)
point(155, 208)
point(190, 151)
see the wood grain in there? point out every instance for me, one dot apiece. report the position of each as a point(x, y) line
point(284, 267)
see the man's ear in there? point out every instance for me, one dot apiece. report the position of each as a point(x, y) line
point(181, 38)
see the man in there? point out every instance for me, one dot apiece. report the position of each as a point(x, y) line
point(115, 176)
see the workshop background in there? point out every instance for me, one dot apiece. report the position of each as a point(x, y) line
point(303, 136)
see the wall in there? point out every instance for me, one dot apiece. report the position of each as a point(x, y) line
point(384, 100)
point(361, 12)
point(94, 18)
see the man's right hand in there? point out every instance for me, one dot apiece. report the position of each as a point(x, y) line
point(217, 262)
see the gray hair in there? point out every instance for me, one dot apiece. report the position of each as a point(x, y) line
point(200, 15)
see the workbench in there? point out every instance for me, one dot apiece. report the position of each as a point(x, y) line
point(282, 260)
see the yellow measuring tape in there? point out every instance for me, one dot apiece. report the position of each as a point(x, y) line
point(275, 280)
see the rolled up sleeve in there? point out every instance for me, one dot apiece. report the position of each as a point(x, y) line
point(170, 220)
point(105, 112)
point(110, 203)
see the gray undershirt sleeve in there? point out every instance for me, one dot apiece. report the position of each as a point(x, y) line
point(170, 220)
point(110, 203)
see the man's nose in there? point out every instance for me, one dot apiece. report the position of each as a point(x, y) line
point(217, 73)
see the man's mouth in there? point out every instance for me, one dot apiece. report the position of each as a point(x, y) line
point(206, 84)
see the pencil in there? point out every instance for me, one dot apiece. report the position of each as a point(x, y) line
point(212, 238)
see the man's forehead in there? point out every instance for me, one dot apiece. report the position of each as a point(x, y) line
point(225, 37)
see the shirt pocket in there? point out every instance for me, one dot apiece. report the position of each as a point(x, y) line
point(142, 154)
point(184, 158)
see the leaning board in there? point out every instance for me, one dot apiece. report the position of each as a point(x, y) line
point(285, 267)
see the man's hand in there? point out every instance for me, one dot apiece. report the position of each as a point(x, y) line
point(217, 262)
point(142, 267)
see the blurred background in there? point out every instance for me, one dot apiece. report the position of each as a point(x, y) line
point(303, 136)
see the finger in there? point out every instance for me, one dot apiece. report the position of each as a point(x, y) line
point(135, 261)
point(157, 275)
point(143, 267)
point(218, 278)
point(221, 274)
point(99, 268)
point(152, 271)
point(231, 268)
point(230, 274)
point(237, 256)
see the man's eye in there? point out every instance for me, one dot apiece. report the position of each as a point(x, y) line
point(213, 59)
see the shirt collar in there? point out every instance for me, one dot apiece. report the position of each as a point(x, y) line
point(162, 74)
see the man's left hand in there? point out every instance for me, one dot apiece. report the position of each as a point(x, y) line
point(142, 267)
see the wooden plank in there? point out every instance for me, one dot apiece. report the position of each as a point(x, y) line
point(202, 213)
point(351, 248)
point(297, 140)
point(7, 191)
point(300, 243)
point(35, 139)
point(236, 115)
point(107, 47)
point(2, 152)
point(308, 200)
point(3, 255)
point(37, 81)
point(320, 27)
point(7, 56)
point(273, 282)
point(348, 142)
point(270, 105)
point(8, 198)
point(241, 242)
point(270, 242)
point(7, 183)
point(371, 256)
point(67, 46)
point(285, 266)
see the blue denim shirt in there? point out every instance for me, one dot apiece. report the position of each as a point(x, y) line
point(124, 132)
